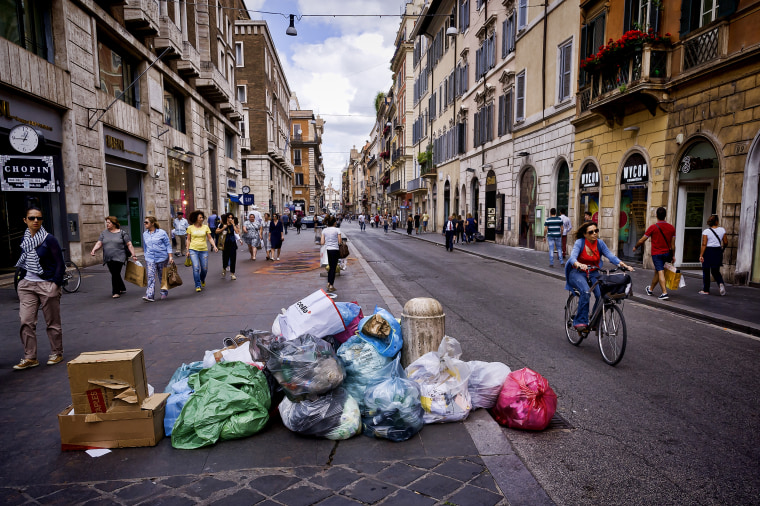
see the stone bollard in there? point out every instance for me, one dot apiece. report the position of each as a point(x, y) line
point(423, 328)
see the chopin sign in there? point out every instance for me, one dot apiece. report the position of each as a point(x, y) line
point(27, 173)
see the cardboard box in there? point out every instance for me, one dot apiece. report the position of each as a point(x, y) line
point(108, 381)
point(144, 427)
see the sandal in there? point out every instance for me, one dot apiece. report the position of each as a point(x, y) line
point(115, 296)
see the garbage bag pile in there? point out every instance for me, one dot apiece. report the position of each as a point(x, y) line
point(333, 373)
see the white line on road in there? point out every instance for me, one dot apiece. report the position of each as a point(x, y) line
point(390, 300)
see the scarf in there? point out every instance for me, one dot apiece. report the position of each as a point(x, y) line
point(29, 259)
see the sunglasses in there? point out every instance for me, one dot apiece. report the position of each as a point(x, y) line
point(146, 222)
point(34, 218)
point(589, 232)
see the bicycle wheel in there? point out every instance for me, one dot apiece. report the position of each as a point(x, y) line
point(71, 278)
point(571, 307)
point(612, 334)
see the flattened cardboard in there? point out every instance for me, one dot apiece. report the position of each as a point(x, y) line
point(108, 381)
point(143, 427)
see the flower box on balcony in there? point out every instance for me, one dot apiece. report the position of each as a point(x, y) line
point(610, 55)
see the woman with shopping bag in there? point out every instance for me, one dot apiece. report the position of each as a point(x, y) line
point(197, 248)
point(117, 247)
point(158, 253)
point(714, 241)
point(227, 233)
point(331, 241)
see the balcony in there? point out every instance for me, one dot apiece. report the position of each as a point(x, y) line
point(169, 36)
point(212, 84)
point(236, 114)
point(416, 185)
point(190, 63)
point(639, 78)
point(245, 143)
point(395, 187)
point(428, 171)
point(141, 17)
point(704, 47)
point(396, 155)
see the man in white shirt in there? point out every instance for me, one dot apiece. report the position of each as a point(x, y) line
point(361, 222)
point(567, 226)
point(180, 231)
point(448, 230)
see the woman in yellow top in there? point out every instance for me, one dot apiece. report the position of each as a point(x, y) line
point(197, 249)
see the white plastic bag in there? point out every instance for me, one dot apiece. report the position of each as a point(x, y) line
point(486, 380)
point(323, 256)
point(316, 315)
point(443, 381)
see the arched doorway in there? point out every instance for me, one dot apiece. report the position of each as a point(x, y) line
point(589, 193)
point(748, 249)
point(563, 187)
point(528, 184)
point(446, 201)
point(457, 209)
point(634, 179)
point(490, 217)
point(698, 176)
point(434, 209)
point(474, 198)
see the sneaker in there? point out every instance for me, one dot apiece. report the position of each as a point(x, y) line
point(26, 363)
point(146, 299)
point(648, 290)
point(232, 277)
point(331, 288)
point(164, 296)
point(722, 288)
point(203, 284)
point(197, 288)
point(702, 292)
point(664, 296)
point(224, 273)
point(54, 359)
point(278, 259)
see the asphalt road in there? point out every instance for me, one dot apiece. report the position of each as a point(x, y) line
point(676, 422)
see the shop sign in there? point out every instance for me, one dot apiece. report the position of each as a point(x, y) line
point(27, 173)
point(247, 199)
point(15, 110)
point(231, 183)
point(124, 146)
point(590, 177)
point(635, 172)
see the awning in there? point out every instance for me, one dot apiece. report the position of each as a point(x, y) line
point(234, 198)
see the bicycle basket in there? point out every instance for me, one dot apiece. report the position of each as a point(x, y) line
point(616, 286)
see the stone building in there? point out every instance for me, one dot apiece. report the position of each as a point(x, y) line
point(132, 114)
point(306, 157)
point(265, 126)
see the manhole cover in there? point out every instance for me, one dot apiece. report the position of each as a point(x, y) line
point(558, 422)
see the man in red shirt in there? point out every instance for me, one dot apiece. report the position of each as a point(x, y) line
point(663, 236)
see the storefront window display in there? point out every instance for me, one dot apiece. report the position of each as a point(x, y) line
point(633, 206)
point(589, 192)
point(180, 187)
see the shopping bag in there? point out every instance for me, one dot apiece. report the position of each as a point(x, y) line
point(672, 277)
point(315, 314)
point(136, 274)
point(220, 240)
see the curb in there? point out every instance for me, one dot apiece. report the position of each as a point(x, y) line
point(713, 318)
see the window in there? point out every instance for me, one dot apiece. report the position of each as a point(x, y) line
point(698, 13)
point(708, 12)
point(564, 67)
point(242, 94)
point(641, 15)
point(299, 179)
point(484, 125)
point(27, 24)
point(522, 14)
point(479, 4)
point(116, 74)
point(485, 56)
point(464, 15)
point(592, 38)
point(296, 157)
point(174, 110)
point(239, 54)
point(229, 144)
point(508, 36)
point(520, 98)
point(505, 113)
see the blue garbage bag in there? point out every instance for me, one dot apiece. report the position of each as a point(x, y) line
point(389, 346)
point(183, 371)
point(363, 363)
point(392, 406)
point(180, 393)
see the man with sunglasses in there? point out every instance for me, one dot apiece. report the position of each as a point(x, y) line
point(663, 236)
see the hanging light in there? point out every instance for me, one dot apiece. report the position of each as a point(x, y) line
point(292, 28)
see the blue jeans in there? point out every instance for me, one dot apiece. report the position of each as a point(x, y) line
point(577, 279)
point(554, 243)
point(200, 266)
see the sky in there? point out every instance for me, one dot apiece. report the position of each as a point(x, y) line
point(336, 65)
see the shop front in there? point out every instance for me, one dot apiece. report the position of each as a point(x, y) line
point(181, 190)
point(32, 174)
point(634, 179)
point(588, 200)
point(698, 178)
point(492, 212)
point(126, 162)
point(528, 191)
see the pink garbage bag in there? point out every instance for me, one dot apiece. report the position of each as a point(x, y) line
point(351, 329)
point(526, 401)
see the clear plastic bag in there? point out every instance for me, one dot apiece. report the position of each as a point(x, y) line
point(486, 380)
point(363, 364)
point(389, 345)
point(443, 380)
point(392, 407)
point(334, 415)
point(526, 401)
point(306, 365)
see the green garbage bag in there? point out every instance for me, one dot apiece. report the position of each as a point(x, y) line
point(231, 401)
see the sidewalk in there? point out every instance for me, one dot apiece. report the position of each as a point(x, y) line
point(739, 310)
point(457, 463)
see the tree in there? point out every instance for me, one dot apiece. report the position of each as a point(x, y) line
point(379, 98)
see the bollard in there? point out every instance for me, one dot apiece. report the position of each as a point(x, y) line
point(423, 328)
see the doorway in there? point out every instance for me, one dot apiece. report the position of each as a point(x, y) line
point(446, 201)
point(528, 209)
point(490, 232)
point(475, 198)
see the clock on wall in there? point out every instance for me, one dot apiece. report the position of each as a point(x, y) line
point(24, 138)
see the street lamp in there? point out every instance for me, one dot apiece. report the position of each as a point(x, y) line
point(292, 28)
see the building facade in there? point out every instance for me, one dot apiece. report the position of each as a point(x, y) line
point(306, 157)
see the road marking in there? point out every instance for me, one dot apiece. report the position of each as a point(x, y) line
point(390, 300)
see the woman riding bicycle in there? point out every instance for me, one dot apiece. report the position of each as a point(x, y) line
point(582, 269)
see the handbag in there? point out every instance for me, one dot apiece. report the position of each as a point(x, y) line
point(220, 240)
point(172, 276)
point(669, 258)
point(188, 262)
point(343, 250)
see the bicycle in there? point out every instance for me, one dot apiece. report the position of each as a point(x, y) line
point(72, 278)
point(607, 320)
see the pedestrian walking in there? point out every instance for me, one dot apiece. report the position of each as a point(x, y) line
point(180, 231)
point(714, 242)
point(417, 222)
point(42, 269)
point(298, 224)
point(197, 247)
point(449, 229)
point(116, 246)
point(425, 219)
point(361, 222)
point(276, 236)
point(265, 236)
point(213, 221)
point(567, 226)
point(385, 223)
point(331, 241)
point(471, 228)
point(285, 222)
point(459, 229)
point(252, 235)
point(663, 236)
point(226, 233)
point(158, 251)
point(377, 221)
point(394, 221)
point(553, 236)
point(409, 224)
point(583, 267)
